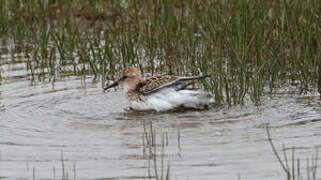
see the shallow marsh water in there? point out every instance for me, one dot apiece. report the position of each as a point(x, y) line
point(98, 139)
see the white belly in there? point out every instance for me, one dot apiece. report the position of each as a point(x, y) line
point(168, 99)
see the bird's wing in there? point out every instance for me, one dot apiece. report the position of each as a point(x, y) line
point(157, 83)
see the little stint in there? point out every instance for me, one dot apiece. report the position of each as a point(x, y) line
point(161, 92)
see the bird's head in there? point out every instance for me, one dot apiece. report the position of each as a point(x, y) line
point(128, 77)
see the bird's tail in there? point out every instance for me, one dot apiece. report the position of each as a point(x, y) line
point(194, 77)
point(189, 82)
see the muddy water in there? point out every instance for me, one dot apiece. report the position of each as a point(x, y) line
point(72, 128)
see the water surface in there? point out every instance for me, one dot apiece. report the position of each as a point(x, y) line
point(75, 121)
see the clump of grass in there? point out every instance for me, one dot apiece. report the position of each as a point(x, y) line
point(65, 174)
point(292, 166)
point(244, 45)
point(154, 151)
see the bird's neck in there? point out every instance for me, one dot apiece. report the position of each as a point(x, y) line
point(131, 84)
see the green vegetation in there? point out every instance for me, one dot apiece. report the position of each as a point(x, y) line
point(292, 165)
point(247, 46)
point(154, 152)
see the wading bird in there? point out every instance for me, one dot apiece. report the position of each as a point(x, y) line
point(161, 92)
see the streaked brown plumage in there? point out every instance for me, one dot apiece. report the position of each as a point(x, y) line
point(136, 87)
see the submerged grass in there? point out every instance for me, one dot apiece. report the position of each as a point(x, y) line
point(65, 174)
point(292, 165)
point(154, 151)
point(246, 46)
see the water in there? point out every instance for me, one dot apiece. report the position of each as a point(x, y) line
point(72, 127)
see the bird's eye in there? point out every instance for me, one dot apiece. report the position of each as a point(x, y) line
point(125, 77)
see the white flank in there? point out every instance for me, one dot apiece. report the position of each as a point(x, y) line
point(169, 98)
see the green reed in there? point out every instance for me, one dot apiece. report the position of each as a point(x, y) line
point(154, 146)
point(248, 47)
point(65, 173)
point(293, 166)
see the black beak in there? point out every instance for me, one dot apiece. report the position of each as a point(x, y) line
point(114, 83)
point(111, 85)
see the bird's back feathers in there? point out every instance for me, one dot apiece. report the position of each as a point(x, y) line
point(156, 83)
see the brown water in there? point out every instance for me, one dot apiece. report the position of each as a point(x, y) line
point(101, 140)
